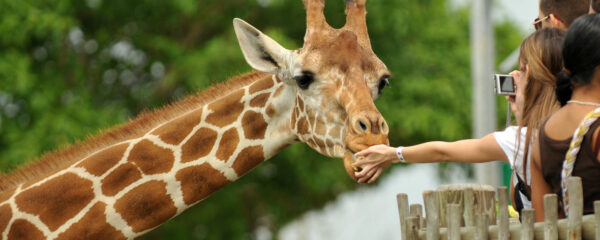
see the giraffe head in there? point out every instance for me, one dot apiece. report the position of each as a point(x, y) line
point(331, 81)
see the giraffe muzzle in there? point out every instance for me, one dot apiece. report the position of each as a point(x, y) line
point(367, 131)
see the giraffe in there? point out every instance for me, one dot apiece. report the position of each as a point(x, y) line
point(129, 180)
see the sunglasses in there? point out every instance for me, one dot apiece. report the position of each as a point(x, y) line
point(537, 23)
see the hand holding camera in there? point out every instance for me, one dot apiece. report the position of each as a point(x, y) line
point(506, 85)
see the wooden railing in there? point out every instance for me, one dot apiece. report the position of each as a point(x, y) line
point(468, 221)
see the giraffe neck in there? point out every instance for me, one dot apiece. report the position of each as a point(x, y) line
point(133, 186)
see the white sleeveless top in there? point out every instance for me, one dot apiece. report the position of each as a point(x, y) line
point(507, 140)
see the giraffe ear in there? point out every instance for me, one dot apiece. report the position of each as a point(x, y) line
point(260, 51)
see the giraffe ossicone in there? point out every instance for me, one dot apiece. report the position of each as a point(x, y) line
point(133, 178)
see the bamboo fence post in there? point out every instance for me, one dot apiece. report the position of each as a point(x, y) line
point(503, 233)
point(576, 227)
point(453, 220)
point(484, 200)
point(550, 217)
point(432, 215)
point(528, 218)
point(412, 228)
point(448, 194)
point(402, 199)
point(469, 203)
point(416, 210)
point(575, 192)
point(597, 218)
point(481, 226)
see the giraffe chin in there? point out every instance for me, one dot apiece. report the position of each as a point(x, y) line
point(348, 160)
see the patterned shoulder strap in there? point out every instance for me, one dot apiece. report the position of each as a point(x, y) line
point(571, 156)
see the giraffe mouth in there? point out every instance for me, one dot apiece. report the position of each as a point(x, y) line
point(349, 159)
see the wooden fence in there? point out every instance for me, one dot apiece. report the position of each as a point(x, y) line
point(476, 224)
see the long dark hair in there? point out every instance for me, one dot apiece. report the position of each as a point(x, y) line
point(581, 55)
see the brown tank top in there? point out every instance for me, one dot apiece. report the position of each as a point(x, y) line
point(552, 153)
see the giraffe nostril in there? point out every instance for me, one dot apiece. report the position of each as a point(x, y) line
point(362, 126)
point(383, 126)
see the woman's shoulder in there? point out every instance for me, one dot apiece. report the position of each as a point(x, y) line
point(561, 124)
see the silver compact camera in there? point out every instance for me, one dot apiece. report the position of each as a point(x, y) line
point(504, 85)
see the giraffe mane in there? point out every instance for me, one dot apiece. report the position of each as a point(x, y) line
point(69, 154)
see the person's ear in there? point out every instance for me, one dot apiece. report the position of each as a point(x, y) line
point(527, 76)
point(557, 22)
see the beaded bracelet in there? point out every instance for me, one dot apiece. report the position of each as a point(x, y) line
point(399, 154)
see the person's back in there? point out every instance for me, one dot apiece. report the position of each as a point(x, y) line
point(555, 138)
point(578, 89)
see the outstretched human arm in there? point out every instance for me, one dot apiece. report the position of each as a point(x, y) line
point(377, 158)
point(539, 186)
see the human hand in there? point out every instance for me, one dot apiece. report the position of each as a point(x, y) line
point(375, 160)
point(516, 100)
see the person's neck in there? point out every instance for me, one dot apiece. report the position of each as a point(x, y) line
point(589, 92)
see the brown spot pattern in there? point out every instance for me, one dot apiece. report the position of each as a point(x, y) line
point(302, 126)
point(260, 100)
point(198, 145)
point(120, 178)
point(150, 158)
point(56, 200)
point(93, 225)
point(321, 128)
point(6, 194)
point(5, 215)
point(226, 110)
point(311, 142)
point(279, 91)
point(262, 84)
point(247, 159)
point(198, 182)
point(319, 142)
point(300, 104)
point(175, 131)
point(228, 144)
point(294, 114)
point(270, 110)
point(335, 132)
point(254, 125)
point(100, 162)
point(22, 229)
point(146, 206)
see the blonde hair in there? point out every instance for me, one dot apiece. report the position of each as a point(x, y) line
point(542, 53)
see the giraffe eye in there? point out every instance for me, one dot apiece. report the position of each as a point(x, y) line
point(383, 82)
point(304, 80)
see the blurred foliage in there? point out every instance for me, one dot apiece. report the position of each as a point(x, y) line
point(69, 68)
